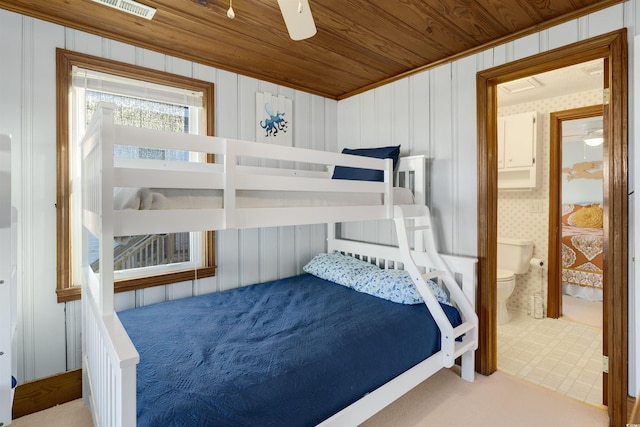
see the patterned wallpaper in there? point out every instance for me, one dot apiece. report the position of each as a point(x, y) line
point(525, 214)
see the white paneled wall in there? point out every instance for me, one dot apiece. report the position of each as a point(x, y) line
point(426, 114)
point(50, 332)
point(27, 106)
point(440, 110)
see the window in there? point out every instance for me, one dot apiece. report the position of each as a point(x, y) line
point(145, 98)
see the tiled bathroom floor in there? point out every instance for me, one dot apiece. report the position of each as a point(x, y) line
point(555, 353)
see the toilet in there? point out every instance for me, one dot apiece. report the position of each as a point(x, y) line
point(513, 258)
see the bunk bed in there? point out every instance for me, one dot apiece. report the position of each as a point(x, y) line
point(226, 193)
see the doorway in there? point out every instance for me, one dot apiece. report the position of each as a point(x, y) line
point(561, 355)
point(558, 130)
point(570, 271)
point(612, 48)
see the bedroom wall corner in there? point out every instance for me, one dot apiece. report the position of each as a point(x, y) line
point(430, 113)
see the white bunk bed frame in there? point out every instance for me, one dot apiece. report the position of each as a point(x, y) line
point(109, 357)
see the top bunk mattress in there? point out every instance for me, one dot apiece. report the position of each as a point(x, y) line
point(126, 198)
point(291, 352)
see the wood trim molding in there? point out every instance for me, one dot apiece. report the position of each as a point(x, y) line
point(554, 293)
point(46, 393)
point(616, 233)
point(75, 293)
point(63, 177)
point(165, 279)
point(65, 61)
point(612, 47)
point(486, 356)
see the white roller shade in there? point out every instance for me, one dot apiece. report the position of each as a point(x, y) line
point(103, 82)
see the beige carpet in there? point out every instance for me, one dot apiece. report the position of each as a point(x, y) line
point(498, 400)
point(444, 400)
point(71, 414)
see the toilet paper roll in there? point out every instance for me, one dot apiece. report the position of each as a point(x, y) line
point(536, 262)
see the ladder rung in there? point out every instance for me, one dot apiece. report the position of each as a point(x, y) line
point(462, 329)
point(462, 347)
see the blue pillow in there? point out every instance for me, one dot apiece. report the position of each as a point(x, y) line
point(396, 286)
point(361, 174)
point(337, 268)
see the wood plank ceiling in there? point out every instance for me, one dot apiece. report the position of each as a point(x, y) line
point(360, 44)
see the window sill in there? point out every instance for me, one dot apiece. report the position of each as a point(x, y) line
point(74, 293)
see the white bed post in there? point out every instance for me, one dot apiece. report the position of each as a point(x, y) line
point(388, 192)
point(230, 184)
point(419, 193)
point(105, 298)
point(469, 285)
point(109, 358)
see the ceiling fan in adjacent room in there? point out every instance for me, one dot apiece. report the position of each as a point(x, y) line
point(588, 130)
point(297, 17)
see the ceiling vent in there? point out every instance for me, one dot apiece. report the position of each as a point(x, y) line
point(593, 68)
point(130, 6)
point(520, 85)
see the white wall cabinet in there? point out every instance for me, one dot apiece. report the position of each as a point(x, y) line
point(519, 151)
point(8, 286)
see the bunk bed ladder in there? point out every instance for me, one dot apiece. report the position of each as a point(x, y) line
point(461, 341)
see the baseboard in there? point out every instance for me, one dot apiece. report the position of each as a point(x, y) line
point(42, 394)
point(48, 392)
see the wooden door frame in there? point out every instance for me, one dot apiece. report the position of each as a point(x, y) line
point(554, 282)
point(612, 46)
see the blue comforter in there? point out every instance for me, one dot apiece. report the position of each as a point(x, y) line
point(290, 352)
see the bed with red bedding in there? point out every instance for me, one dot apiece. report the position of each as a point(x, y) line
point(582, 250)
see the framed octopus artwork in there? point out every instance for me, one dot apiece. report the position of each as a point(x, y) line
point(274, 122)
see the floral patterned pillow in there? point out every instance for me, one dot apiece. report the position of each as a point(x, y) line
point(337, 268)
point(392, 285)
point(396, 286)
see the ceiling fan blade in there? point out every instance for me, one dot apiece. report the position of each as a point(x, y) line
point(297, 18)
